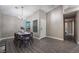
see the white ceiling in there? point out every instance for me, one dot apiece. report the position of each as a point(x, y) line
point(70, 8)
point(27, 10)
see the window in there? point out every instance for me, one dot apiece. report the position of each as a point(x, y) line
point(35, 26)
point(27, 25)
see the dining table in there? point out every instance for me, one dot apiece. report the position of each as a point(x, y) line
point(23, 39)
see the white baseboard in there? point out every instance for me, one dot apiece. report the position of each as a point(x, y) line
point(56, 38)
point(42, 37)
point(39, 38)
point(36, 38)
point(6, 38)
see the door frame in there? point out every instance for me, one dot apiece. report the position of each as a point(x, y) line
point(74, 17)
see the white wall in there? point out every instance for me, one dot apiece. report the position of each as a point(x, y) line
point(73, 28)
point(9, 25)
point(34, 16)
point(0, 25)
point(66, 27)
point(77, 27)
point(55, 23)
point(69, 28)
point(39, 15)
point(42, 24)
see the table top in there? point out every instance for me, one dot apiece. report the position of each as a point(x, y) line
point(23, 33)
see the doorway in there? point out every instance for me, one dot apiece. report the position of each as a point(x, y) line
point(69, 27)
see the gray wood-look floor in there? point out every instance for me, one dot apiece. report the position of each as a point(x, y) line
point(45, 45)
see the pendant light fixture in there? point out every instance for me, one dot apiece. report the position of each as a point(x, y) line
point(20, 13)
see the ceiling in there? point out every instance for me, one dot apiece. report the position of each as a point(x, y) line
point(70, 12)
point(27, 10)
point(70, 8)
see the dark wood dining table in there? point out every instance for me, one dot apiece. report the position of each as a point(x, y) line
point(23, 39)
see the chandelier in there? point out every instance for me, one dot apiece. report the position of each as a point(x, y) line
point(20, 13)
